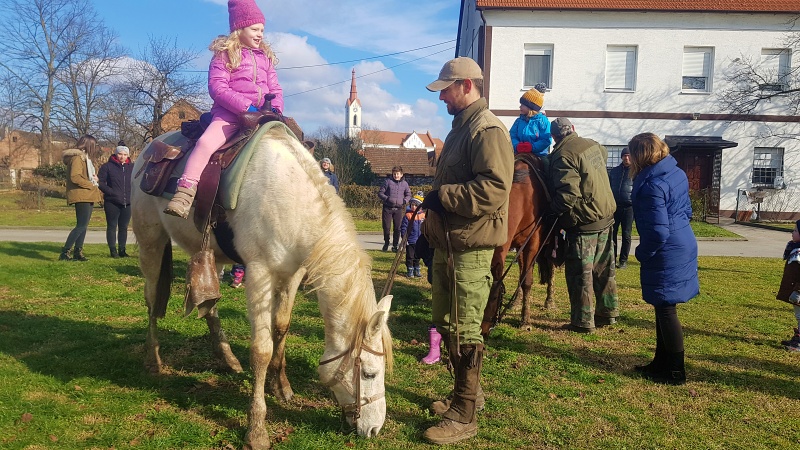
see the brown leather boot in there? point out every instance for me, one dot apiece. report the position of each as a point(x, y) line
point(460, 421)
point(182, 201)
point(440, 406)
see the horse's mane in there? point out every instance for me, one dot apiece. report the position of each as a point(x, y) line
point(338, 238)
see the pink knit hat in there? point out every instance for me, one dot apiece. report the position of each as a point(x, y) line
point(243, 13)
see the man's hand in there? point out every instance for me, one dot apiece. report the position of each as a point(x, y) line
point(433, 203)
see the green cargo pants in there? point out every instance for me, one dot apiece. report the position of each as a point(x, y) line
point(590, 274)
point(473, 280)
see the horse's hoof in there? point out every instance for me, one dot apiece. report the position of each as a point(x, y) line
point(283, 394)
point(153, 368)
point(257, 440)
point(549, 305)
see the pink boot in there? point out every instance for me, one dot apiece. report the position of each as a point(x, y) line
point(434, 355)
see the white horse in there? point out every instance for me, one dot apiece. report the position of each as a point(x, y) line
point(289, 223)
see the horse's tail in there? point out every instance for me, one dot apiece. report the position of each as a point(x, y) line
point(545, 265)
point(164, 283)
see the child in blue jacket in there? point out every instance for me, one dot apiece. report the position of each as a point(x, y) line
point(530, 133)
point(412, 259)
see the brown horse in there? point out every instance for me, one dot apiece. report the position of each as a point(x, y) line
point(527, 208)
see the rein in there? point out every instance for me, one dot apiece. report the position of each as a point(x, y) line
point(393, 271)
point(501, 311)
point(352, 410)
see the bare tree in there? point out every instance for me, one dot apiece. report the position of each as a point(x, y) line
point(119, 122)
point(755, 84)
point(87, 80)
point(15, 153)
point(349, 163)
point(37, 39)
point(158, 79)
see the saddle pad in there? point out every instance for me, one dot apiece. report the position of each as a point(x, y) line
point(231, 179)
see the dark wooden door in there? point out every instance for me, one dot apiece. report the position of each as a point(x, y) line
point(698, 166)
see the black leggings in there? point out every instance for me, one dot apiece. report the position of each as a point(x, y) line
point(83, 212)
point(117, 217)
point(668, 329)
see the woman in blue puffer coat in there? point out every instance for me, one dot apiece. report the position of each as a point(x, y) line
point(667, 249)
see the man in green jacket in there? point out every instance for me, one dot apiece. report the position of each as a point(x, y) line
point(466, 219)
point(583, 200)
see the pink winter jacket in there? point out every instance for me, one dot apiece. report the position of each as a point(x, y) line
point(234, 91)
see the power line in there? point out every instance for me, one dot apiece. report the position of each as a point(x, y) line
point(351, 60)
point(365, 59)
point(368, 74)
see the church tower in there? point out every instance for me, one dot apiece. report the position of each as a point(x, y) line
point(352, 125)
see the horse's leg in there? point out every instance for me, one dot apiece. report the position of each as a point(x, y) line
point(526, 267)
point(219, 342)
point(260, 293)
point(550, 302)
point(155, 261)
point(282, 316)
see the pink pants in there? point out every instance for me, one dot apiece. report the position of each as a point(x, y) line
point(212, 139)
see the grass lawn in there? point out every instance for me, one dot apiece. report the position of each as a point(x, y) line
point(72, 349)
point(53, 212)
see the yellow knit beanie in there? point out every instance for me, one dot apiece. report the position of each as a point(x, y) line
point(534, 98)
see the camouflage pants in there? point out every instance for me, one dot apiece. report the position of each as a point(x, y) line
point(590, 272)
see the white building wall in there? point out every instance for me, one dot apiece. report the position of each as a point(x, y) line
point(580, 40)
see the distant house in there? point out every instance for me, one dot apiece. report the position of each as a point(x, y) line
point(619, 68)
point(19, 149)
point(415, 152)
point(179, 112)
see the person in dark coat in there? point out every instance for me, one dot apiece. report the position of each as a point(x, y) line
point(667, 249)
point(333, 180)
point(621, 186)
point(394, 194)
point(115, 183)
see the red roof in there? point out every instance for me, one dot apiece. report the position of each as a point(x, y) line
point(396, 139)
point(784, 6)
point(413, 160)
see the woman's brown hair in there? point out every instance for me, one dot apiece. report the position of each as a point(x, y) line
point(646, 149)
point(88, 144)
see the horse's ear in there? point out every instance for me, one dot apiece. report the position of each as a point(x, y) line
point(378, 320)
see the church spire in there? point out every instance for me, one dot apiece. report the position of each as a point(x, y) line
point(352, 124)
point(353, 93)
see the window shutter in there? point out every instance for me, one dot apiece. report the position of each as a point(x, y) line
point(696, 62)
point(620, 68)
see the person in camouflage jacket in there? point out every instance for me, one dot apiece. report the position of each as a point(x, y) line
point(584, 203)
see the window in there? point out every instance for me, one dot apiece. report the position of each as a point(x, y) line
point(13, 139)
point(697, 69)
point(613, 155)
point(775, 67)
point(181, 115)
point(620, 68)
point(767, 164)
point(538, 65)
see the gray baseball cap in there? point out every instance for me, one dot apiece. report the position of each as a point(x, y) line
point(460, 68)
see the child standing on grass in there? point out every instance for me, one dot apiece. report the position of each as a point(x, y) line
point(789, 290)
point(413, 227)
point(242, 71)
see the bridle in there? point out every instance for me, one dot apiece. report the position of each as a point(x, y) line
point(352, 410)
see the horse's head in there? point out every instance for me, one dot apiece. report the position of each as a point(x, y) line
point(356, 376)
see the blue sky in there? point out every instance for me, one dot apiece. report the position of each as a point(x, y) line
point(321, 32)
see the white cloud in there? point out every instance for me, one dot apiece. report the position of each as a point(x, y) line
point(324, 106)
point(379, 27)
